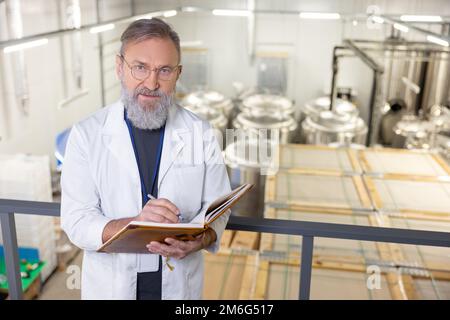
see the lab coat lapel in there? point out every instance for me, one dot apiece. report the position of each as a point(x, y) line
point(117, 139)
point(176, 136)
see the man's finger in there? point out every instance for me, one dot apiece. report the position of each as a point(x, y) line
point(170, 241)
point(163, 212)
point(155, 248)
point(177, 244)
point(151, 249)
point(166, 204)
point(159, 218)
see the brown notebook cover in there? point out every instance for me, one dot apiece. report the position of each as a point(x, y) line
point(134, 237)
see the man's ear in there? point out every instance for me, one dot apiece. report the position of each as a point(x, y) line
point(119, 67)
point(179, 72)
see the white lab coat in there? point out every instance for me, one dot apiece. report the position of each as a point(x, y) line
point(100, 182)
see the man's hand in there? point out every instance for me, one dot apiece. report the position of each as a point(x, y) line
point(180, 249)
point(159, 210)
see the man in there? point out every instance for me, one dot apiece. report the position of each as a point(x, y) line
point(143, 158)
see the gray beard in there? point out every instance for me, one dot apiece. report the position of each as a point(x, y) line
point(146, 117)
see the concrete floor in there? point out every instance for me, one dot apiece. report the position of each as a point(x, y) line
point(59, 286)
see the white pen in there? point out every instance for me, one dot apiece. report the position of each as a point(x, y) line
point(180, 217)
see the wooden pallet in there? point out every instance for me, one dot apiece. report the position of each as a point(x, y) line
point(420, 200)
point(283, 189)
point(32, 292)
point(273, 271)
point(318, 159)
point(228, 272)
point(228, 275)
point(403, 164)
point(346, 255)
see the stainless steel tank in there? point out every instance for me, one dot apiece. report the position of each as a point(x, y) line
point(248, 161)
point(330, 127)
point(343, 110)
point(267, 104)
point(412, 133)
point(419, 77)
point(215, 117)
point(439, 116)
point(314, 107)
point(253, 123)
point(213, 99)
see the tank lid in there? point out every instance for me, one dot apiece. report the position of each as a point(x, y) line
point(411, 125)
point(249, 120)
point(439, 115)
point(268, 103)
point(329, 121)
point(203, 97)
point(251, 153)
point(314, 107)
point(214, 116)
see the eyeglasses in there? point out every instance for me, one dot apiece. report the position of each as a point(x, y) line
point(141, 72)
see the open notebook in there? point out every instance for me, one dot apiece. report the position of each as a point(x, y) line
point(134, 237)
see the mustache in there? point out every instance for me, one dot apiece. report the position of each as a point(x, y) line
point(146, 91)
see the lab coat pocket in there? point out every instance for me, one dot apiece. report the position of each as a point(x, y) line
point(189, 188)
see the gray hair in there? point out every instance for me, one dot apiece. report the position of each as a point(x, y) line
point(144, 29)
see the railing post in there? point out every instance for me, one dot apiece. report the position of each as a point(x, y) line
point(11, 256)
point(306, 266)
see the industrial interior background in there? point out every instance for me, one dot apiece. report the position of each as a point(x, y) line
point(359, 92)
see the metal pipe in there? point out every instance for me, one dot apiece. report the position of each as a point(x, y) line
point(133, 17)
point(5, 125)
point(335, 67)
point(306, 266)
point(76, 43)
point(377, 70)
point(100, 55)
point(316, 229)
point(420, 98)
point(62, 50)
point(308, 230)
point(133, 7)
point(251, 31)
point(15, 29)
point(56, 33)
point(11, 256)
point(72, 18)
point(65, 31)
point(340, 231)
point(363, 56)
point(370, 130)
point(72, 98)
point(30, 207)
point(408, 43)
point(395, 48)
point(413, 27)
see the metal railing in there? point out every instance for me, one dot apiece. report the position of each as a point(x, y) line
point(308, 230)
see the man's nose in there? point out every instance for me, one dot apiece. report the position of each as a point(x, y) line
point(152, 81)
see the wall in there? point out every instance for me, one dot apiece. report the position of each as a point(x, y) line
point(308, 43)
point(46, 73)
